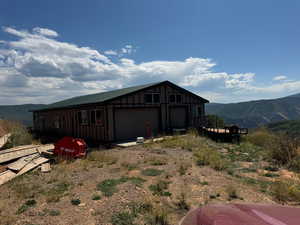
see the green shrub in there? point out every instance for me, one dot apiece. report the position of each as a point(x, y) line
point(109, 187)
point(19, 135)
point(210, 157)
point(96, 197)
point(152, 172)
point(284, 150)
point(286, 191)
point(261, 137)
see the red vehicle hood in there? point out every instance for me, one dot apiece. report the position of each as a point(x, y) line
point(243, 214)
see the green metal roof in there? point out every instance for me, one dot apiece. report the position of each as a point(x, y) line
point(96, 98)
point(104, 96)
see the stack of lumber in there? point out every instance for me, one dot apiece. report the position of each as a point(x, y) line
point(19, 160)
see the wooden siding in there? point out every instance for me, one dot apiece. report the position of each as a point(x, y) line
point(70, 126)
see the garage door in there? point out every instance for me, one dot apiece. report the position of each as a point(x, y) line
point(178, 117)
point(136, 122)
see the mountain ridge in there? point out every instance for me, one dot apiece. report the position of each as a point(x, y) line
point(258, 112)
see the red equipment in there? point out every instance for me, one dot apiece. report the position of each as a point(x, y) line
point(243, 214)
point(69, 147)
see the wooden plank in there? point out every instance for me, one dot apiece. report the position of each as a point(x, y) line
point(45, 167)
point(17, 148)
point(16, 154)
point(19, 152)
point(20, 163)
point(33, 164)
point(7, 176)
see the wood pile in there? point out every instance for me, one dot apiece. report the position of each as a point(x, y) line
point(19, 160)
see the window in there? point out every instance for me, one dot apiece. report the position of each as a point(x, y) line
point(97, 117)
point(156, 98)
point(175, 98)
point(148, 98)
point(178, 98)
point(83, 117)
point(152, 98)
point(172, 98)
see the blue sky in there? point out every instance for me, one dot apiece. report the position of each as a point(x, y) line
point(224, 50)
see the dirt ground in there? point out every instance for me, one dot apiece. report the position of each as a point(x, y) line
point(74, 192)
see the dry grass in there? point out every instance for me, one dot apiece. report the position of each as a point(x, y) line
point(137, 186)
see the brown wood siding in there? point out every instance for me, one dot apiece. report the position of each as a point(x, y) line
point(136, 100)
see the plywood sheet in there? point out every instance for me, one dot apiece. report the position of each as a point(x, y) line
point(6, 176)
point(20, 163)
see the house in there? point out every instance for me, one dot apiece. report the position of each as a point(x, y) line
point(145, 110)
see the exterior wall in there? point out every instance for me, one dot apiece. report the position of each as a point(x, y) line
point(65, 122)
point(192, 104)
point(46, 121)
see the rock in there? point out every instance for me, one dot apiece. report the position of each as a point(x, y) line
point(82, 204)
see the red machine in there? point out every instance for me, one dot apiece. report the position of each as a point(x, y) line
point(70, 148)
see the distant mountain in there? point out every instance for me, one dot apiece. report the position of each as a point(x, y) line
point(290, 127)
point(19, 112)
point(256, 113)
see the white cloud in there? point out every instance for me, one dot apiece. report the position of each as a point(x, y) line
point(42, 69)
point(45, 32)
point(110, 52)
point(279, 77)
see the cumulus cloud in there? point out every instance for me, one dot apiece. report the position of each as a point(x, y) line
point(42, 69)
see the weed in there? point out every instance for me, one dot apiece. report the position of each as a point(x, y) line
point(96, 197)
point(152, 172)
point(210, 157)
point(129, 166)
point(157, 216)
point(183, 168)
point(160, 188)
point(25, 206)
point(182, 204)
point(109, 187)
point(232, 192)
point(54, 212)
point(158, 161)
point(55, 193)
point(123, 218)
point(204, 183)
point(100, 158)
point(286, 191)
